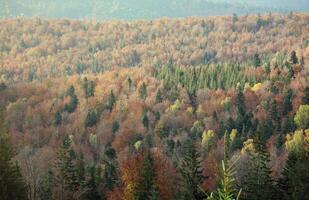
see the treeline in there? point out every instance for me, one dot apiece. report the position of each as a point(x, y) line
point(35, 49)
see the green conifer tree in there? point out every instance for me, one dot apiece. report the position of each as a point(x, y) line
point(258, 183)
point(12, 185)
point(145, 187)
point(293, 58)
point(143, 91)
point(191, 172)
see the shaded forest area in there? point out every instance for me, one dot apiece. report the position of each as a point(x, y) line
point(213, 108)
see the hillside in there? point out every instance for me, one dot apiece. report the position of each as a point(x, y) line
point(34, 49)
point(165, 109)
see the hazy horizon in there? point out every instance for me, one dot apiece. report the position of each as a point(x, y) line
point(147, 9)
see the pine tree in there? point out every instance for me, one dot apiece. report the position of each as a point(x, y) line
point(294, 183)
point(46, 186)
point(129, 83)
point(71, 107)
point(287, 101)
point(91, 118)
point(91, 192)
point(111, 101)
point(110, 174)
point(144, 188)
point(67, 175)
point(293, 58)
point(145, 121)
point(159, 96)
point(70, 91)
point(256, 60)
point(81, 170)
point(115, 126)
point(226, 189)
point(275, 116)
point(58, 118)
point(306, 96)
point(143, 91)
point(258, 183)
point(88, 88)
point(240, 108)
point(12, 185)
point(191, 172)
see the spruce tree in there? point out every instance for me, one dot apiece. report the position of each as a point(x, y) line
point(129, 83)
point(110, 174)
point(81, 169)
point(12, 185)
point(88, 88)
point(46, 186)
point(294, 182)
point(66, 170)
point(111, 101)
point(293, 58)
point(115, 127)
point(58, 118)
point(306, 96)
point(275, 115)
point(145, 121)
point(159, 96)
point(191, 172)
point(145, 187)
point(91, 118)
point(143, 91)
point(258, 183)
point(287, 101)
point(91, 192)
point(72, 105)
point(256, 60)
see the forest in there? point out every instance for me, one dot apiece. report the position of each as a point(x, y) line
point(201, 108)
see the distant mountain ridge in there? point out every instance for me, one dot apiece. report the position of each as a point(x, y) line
point(146, 9)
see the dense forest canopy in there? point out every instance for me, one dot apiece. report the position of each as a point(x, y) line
point(143, 9)
point(210, 108)
point(32, 49)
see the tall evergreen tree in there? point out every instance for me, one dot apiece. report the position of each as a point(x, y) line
point(58, 118)
point(294, 183)
point(66, 170)
point(256, 60)
point(91, 118)
point(191, 172)
point(115, 127)
point(88, 88)
point(111, 101)
point(306, 96)
point(12, 185)
point(145, 187)
point(275, 115)
point(145, 121)
point(287, 101)
point(129, 83)
point(91, 191)
point(46, 186)
point(258, 183)
point(293, 57)
point(159, 96)
point(110, 174)
point(143, 91)
point(72, 105)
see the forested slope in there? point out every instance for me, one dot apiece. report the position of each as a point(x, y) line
point(33, 49)
point(178, 111)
